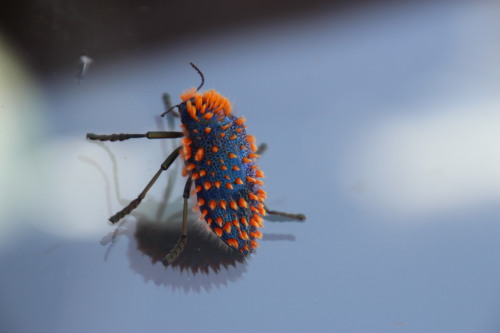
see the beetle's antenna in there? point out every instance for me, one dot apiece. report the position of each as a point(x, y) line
point(199, 87)
point(201, 75)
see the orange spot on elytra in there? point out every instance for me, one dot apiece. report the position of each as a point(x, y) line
point(223, 167)
point(233, 205)
point(208, 130)
point(191, 110)
point(188, 94)
point(253, 196)
point(240, 121)
point(256, 234)
point(259, 173)
point(238, 181)
point(199, 154)
point(207, 185)
point(222, 204)
point(254, 223)
point(186, 148)
point(222, 134)
point(262, 209)
point(251, 179)
point(242, 203)
point(203, 172)
point(251, 141)
point(218, 231)
point(212, 204)
point(235, 168)
point(244, 221)
point(198, 101)
point(227, 227)
point(186, 152)
point(243, 235)
point(246, 160)
point(231, 155)
point(232, 242)
point(229, 186)
point(219, 221)
point(232, 137)
point(259, 220)
point(215, 149)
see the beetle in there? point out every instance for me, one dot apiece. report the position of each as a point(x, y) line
point(220, 159)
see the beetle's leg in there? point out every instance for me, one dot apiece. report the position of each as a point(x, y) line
point(134, 203)
point(299, 217)
point(125, 136)
point(181, 244)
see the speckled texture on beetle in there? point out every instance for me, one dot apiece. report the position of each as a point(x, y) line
point(220, 157)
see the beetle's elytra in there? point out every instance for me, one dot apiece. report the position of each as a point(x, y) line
point(220, 158)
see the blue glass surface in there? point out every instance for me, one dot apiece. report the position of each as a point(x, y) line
point(381, 125)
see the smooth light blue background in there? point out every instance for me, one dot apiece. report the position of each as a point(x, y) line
point(382, 127)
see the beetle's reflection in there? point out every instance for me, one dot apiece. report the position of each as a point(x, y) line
point(204, 250)
point(205, 263)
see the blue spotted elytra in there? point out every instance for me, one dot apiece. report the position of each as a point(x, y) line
point(219, 157)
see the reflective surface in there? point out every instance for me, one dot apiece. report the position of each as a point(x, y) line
point(382, 127)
